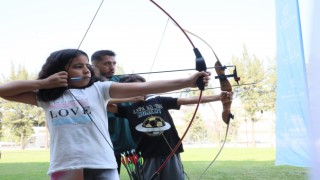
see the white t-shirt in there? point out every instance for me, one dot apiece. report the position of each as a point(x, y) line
point(75, 141)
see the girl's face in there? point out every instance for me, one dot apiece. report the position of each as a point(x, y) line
point(78, 72)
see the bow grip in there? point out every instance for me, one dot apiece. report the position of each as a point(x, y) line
point(200, 66)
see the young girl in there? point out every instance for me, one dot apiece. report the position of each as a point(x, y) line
point(80, 145)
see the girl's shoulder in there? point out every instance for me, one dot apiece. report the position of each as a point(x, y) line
point(103, 87)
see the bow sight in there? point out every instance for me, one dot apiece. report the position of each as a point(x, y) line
point(225, 76)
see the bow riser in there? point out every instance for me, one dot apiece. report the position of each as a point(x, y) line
point(224, 86)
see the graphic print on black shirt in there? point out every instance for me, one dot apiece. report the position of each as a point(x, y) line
point(153, 126)
point(137, 113)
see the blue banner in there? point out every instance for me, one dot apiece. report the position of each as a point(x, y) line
point(314, 88)
point(292, 113)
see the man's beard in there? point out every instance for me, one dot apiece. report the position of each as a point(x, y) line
point(107, 75)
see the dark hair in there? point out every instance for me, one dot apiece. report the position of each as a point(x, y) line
point(56, 62)
point(132, 78)
point(97, 56)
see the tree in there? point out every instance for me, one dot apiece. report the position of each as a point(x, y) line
point(119, 70)
point(197, 132)
point(18, 117)
point(1, 131)
point(269, 97)
point(259, 96)
point(1, 116)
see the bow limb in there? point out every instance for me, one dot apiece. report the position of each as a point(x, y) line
point(224, 83)
point(224, 86)
point(226, 100)
point(200, 66)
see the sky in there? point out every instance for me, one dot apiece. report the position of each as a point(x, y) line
point(30, 30)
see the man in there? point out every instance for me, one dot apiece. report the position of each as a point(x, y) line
point(104, 64)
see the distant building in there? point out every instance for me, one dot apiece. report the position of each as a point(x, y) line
point(38, 139)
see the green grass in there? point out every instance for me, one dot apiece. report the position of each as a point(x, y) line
point(239, 164)
point(232, 164)
point(24, 164)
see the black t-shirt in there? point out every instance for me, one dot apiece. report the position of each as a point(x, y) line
point(152, 146)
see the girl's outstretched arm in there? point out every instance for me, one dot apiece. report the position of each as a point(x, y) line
point(124, 90)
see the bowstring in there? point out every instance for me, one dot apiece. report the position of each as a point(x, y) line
point(227, 129)
point(86, 32)
point(180, 161)
point(158, 48)
point(154, 59)
point(82, 39)
point(222, 146)
point(217, 155)
point(200, 96)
